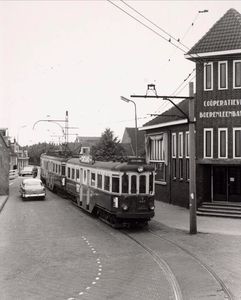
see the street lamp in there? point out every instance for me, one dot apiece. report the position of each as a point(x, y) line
point(128, 100)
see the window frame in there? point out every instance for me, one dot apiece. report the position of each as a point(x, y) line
point(174, 145)
point(180, 144)
point(220, 74)
point(219, 142)
point(205, 76)
point(234, 142)
point(235, 75)
point(187, 144)
point(204, 143)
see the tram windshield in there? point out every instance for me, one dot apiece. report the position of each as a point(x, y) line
point(125, 183)
point(141, 183)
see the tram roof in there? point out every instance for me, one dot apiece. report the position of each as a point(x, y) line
point(54, 157)
point(110, 165)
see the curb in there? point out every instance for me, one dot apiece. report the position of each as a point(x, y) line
point(5, 198)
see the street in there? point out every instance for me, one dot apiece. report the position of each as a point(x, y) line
point(53, 250)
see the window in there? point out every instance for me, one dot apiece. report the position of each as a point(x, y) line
point(68, 173)
point(187, 145)
point(160, 171)
point(73, 174)
point(63, 170)
point(174, 155)
point(115, 184)
point(77, 175)
point(99, 181)
point(174, 145)
point(208, 76)
point(208, 143)
point(181, 168)
point(187, 153)
point(237, 142)
point(222, 75)
point(106, 183)
point(222, 143)
point(180, 145)
point(125, 183)
point(237, 74)
point(157, 156)
point(92, 179)
point(142, 184)
point(187, 169)
point(133, 184)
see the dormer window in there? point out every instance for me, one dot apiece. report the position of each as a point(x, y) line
point(237, 74)
point(208, 76)
point(222, 75)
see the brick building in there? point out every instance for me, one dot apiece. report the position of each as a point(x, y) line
point(217, 56)
point(4, 162)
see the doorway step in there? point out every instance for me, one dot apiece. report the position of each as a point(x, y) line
point(220, 209)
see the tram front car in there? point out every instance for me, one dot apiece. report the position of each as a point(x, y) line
point(132, 193)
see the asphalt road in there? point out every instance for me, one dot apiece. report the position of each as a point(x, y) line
point(52, 250)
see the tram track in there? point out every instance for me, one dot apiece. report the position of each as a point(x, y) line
point(212, 287)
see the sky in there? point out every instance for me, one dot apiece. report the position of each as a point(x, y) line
point(80, 57)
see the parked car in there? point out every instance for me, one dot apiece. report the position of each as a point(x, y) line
point(26, 171)
point(32, 188)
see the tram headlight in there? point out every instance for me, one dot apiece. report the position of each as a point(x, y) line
point(152, 207)
point(140, 169)
point(124, 207)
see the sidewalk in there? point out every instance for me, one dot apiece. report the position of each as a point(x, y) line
point(3, 200)
point(178, 217)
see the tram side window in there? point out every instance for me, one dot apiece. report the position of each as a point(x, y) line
point(59, 169)
point(63, 170)
point(106, 183)
point(68, 173)
point(77, 175)
point(115, 184)
point(125, 183)
point(93, 179)
point(73, 174)
point(99, 181)
point(133, 184)
point(151, 183)
point(142, 183)
point(53, 167)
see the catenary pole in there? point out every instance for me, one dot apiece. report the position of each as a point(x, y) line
point(192, 165)
point(192, 154)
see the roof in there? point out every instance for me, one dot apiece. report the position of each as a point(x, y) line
point(129, 140)
point(224, 35)
point(171, 115)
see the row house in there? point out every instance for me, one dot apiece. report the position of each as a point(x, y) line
point(217, 56)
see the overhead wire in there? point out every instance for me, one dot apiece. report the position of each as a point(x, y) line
point(168, 40)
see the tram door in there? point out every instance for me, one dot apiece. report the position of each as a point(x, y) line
point(227, 183)
point(88, 190)
point(85, 189)
point(81, 188)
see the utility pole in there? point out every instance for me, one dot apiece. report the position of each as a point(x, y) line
point(192, 162)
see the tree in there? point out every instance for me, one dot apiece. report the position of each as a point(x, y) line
point(107, 146)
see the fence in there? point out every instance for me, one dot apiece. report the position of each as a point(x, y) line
point(13, 174)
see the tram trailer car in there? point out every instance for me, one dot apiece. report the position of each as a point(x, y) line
point(119, 193)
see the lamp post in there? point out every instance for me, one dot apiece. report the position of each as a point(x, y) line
point(136, 133)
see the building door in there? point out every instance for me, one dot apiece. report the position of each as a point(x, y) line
point(227, 183)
